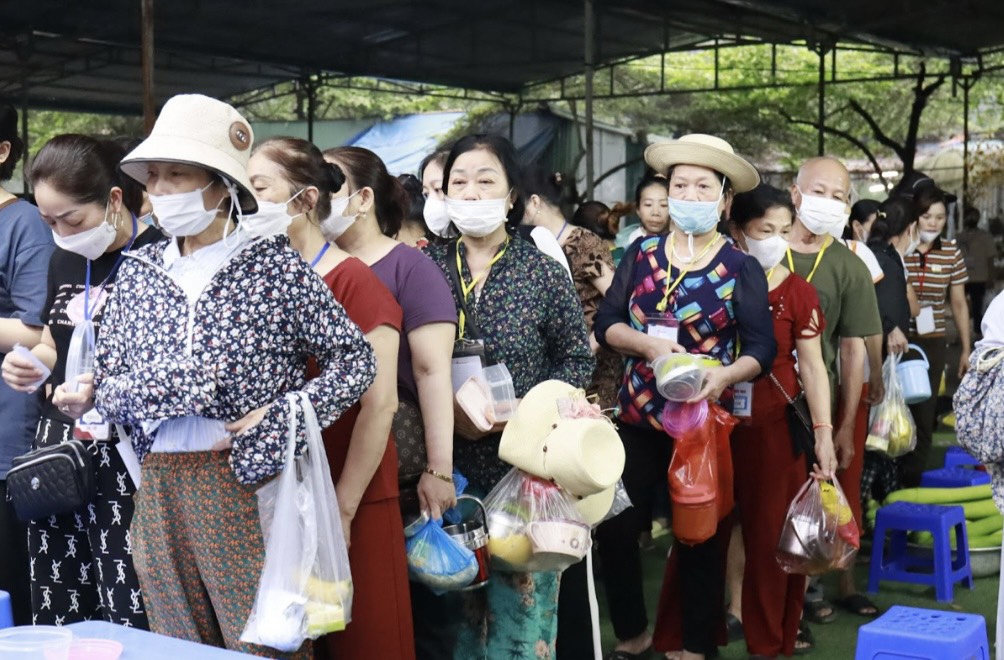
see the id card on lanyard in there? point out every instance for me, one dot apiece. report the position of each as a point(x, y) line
point(92, 426)
point(925, 320)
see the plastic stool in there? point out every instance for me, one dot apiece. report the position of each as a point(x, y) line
point(903, 517)
point(953, 477)
point(6, 614)
point(910, 632)
point(959, 457)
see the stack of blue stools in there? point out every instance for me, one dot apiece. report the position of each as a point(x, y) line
point(942, 570)
point(905, 633)
point(959, 457)
point(953, 477)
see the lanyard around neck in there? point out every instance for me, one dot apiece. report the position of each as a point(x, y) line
point(320, 254)
point(88, 312)
point(466, 289)
point(683, 271)
point(819, 259)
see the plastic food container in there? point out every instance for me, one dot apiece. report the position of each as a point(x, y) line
point(679, 376)
point(678, 417)
point(501, 391)
point(80, 356)
point(35, 643)
point(95, 649)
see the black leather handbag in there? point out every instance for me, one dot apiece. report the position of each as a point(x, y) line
point(803, 439)
point(51, 481)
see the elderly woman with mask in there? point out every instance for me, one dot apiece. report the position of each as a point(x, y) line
point(691, 291)
point(189, 331)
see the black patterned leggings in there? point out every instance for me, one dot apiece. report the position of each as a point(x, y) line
point(81, 564)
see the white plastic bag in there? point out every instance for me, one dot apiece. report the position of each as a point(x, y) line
point(891, 428)
point(306, 587)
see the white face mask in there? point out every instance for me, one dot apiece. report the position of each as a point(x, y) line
point(183, 214)
point(768, 251)
point(337, 223)
point(436, 218)
point(477, 217)
point(272, 218)
point(90, 243)
point(929, 236)
point(822, 215)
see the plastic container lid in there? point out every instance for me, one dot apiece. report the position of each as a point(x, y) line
point(678, 417)
point(679, 376)
point(95, 649)
point(80, 356)
point(501, 390)
point(35, 643)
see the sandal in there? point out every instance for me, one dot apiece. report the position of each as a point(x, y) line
point(804, 641)
point(859, 604)
point(734, 628)
point(814, 611)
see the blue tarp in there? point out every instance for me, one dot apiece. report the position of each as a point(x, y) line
point(403, 142)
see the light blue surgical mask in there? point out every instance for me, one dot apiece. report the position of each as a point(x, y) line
point(693, 217)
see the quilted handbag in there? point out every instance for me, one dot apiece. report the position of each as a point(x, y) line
point(979, 406)
point(51, 481)
point(409, 436)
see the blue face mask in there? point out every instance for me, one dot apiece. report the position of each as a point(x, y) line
point(695, 217)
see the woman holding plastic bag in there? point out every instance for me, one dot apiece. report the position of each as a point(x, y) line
point(770, 459)
point(293, 184)
point(518, 308)
point(691, 292)
point(204, 336)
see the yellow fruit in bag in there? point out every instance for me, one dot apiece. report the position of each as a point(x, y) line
point(514, 549)
point(321, 591)
point(323, 618)
point(833, 504)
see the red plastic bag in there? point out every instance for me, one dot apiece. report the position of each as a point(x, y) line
point(819, 533)
point(700, 477)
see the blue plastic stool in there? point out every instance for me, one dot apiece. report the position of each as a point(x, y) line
point(6, 614)
point(959, 457)
point(904, 633)
point(899, 563)
point(953, 477)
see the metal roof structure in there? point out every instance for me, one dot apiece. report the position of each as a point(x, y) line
point(85, 54)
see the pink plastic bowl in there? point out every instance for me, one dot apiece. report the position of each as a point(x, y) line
point(680, 417)
point(95, 649)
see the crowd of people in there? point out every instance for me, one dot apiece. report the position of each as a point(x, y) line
point(221, 274)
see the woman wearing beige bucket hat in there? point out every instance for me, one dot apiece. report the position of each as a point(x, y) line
point(689, 292)
point(202, 338)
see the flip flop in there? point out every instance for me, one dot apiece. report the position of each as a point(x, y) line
point(812, 611)
point(734, 628)
point(805, 638)
point(859, 604)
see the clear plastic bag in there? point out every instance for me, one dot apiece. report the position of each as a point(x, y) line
point(819, 533)
point(892, 430)
point(438, 561)
point(621, 502)
point(533, 525)
point(305, 589)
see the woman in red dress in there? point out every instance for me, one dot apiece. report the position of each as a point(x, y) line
point(292, 173)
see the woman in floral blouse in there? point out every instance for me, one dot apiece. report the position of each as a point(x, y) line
point(523, 307)
point(201, 341)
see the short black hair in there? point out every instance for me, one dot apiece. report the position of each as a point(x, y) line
point(754, 204)
point(502, 149)
point(9, 133)
point(650, 179)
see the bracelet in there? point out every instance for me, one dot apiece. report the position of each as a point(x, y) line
point(439, 475)
point(822, 425)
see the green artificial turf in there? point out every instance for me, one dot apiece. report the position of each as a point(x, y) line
point(836, 640)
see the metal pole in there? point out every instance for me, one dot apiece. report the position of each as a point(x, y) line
point(146, 63)
point(311, 108)
point(821, 137)
point(590, 49)
point(966, 84)
point(24, 135)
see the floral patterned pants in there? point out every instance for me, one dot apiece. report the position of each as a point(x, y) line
point(199, 551)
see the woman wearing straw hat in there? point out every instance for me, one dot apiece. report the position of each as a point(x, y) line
point(193, 325)
point(691, 291)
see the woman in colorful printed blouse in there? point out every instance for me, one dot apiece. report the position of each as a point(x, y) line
point(937, 272)
point(691, 291)
point(192, 327)
point(521, 304)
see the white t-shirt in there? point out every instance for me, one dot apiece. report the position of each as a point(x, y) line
point(866, 255)
point(993, 325)
point(547, 243)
